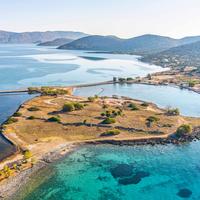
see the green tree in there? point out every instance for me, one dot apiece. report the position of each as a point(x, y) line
point(184, 129)
point(68, 107)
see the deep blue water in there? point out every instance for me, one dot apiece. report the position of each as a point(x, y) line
point(102, 172)
point(164, 96)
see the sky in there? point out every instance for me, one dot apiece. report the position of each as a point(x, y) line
point(123, 18)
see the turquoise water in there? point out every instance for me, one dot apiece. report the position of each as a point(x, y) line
point(164, 96)
point(29, 65)
point(101, 173)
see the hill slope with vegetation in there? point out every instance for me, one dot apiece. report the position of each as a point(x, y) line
point(178, 57)
point(56, 42)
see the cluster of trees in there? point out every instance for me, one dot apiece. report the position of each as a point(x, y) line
point(121, 80)
point(53, 91)
point(8, 170)
point(111, 113)
point(71, 106)
point(173, 111)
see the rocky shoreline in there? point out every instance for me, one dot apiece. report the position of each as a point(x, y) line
point(13, 184)
point(195, 135)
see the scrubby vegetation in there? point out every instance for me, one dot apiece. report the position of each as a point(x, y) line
point(11, 120)
point(111, 132)
point(93, 99)
point(54, 119)
point(109, 120)
point(78, 106)
point(144, 104)
point(71, 106)
point(17, 114)
point(133, 106)
point(191, 83)
point(27, 154)
point(111, 113)
point(53, 91)
point(31, 117)
point(173, 111)
point(33, 108)
point(150, 120)
point(183, 130)
point(68, 107)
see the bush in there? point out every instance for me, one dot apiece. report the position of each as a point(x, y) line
point(133, 106)
point(109, 120)
point(11, 120)
point(145, 104)
point(103, 114)
point(34, 108)
point(129, 79)
point(31, 118)
point(173, 111)
point(191, 83)
point(93, 99)
point(111, 132)
point(27, 154)
point(68, 107)
point(183, 130)
point(17, 114)
point(152, 119)
point(78, 106)
point(6, 171)
point(54, 119)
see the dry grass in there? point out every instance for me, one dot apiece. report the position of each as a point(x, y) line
point(27, 132)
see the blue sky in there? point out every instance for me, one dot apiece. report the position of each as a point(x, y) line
point(124, 18)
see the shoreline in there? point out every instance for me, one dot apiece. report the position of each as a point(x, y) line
point(13, 184)
point(9, 186)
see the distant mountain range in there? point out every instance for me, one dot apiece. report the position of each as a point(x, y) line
point(56, 42)
point(38, 37)
point(155, 49)
point(141, 45)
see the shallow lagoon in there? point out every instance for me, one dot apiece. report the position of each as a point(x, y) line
point(88, 174)
point(164, 96)
point(29, 65)
point(8, 105)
